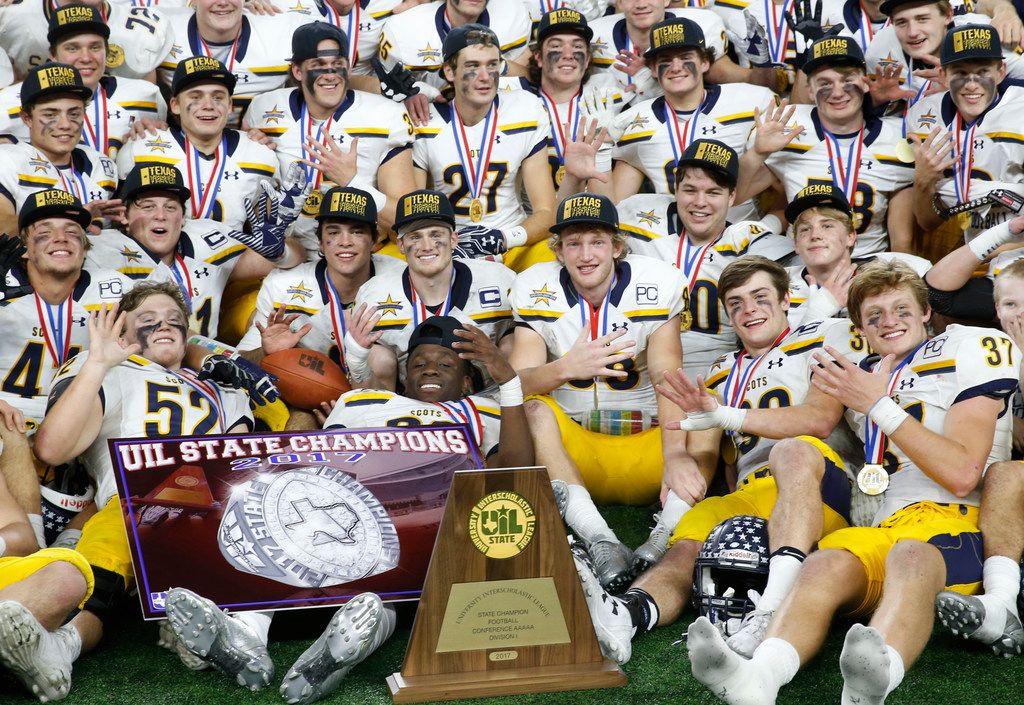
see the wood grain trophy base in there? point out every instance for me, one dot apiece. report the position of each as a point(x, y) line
point(502, 610)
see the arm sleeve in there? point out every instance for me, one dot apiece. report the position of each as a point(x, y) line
point(973, 301)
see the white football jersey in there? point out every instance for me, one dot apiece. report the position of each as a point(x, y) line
point(376, 408)
point(479, 296)
point(219, 183)
point(24, 170)
point(414, 37)
point(806, 161)
point(383, 127)
point(139, 37)
point(258, 58)
point(654, 229)
point(201, 267)
point(645, 294)
point(116, 104)
point(651, 136)
point(782, 377)
point(42, 337)
point(962, 363)
point(142, 399)
point(612, 37)
point(994, 148)
point(306, 291)
point(520, 127)
point(856, 22)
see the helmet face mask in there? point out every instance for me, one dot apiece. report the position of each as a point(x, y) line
point(732, 561)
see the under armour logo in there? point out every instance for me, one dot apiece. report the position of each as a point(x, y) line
point(867, 164)
point(116, 114)
point(200, 273)
point(709, 130)
point(907, 383)
point(772, 364)
point(366, 26)
point(80, 321)
point(619, 326)
point(977, 143)
point(497, 139)
point(95, 195)
point(231, 175)
point(242, 77)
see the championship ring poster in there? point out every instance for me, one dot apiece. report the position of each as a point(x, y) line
point(287, 520)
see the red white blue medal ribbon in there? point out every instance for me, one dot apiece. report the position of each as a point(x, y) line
point(597, 319)
point(464, 411)
point(475, 174)
point(964, 158)
point(777, 29)
point(204, 196)
point(689, 259)
point(180, 271)
point(337, 310)
point(735, 389)
point(230, 63)
point(419, 309)
point(207, 390)
point(95, 133)
point(557, 131)
point(845, 176)
point(874, 439)
point(75, 183)
point(352, 28)
point(306, 120)
point(680, 138)
point(56, 329)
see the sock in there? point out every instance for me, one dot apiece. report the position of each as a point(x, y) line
point(783, 567)
point(67, 539)
point(895, 669)
point(643, 610)
point(36, 522)
point(674, 510)
point(1001, 578)
point(259, 622)
point(778, 659)
point(3, 546)
point(583, 518)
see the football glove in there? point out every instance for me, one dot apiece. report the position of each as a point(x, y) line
point(396, 83)
point(807, 23)
point(481, 241)
point(754, 46)
point(295, 188)
point(11, 252)
point(239, 373)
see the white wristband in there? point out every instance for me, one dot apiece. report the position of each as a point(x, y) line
point(357, 358)
point(989, 241)
point(603, 159)
point(887, 415)
point(511, 393)
point(730, 418)
point(515, 236)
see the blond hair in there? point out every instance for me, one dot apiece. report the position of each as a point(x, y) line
point(140, 292)
point(825, 212)
point(879, 276)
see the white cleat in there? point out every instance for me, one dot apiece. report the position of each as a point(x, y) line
point(654, 548)
point(170, 641)
point(612, 623)
point(728, 676)
point(33, 654)
point(355, 631)
point(967, 616)
point(865, 667)
point(750, 633)
point(225, 642)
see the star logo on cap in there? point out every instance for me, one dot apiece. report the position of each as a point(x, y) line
point(158, 145)
point(389, 306)
point(274, 115)
point(543, 295)
point(130, 255)
point(649, 218)
point(300, 291)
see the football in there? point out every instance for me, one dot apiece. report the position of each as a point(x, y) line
point(306, 378)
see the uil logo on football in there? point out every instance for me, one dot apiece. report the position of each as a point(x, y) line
point(501, 525)
point(309, 527)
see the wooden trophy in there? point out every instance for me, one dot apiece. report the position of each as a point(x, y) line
point(502, 610)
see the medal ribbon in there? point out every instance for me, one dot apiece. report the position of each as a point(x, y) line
point(964, 158)
point(629, 49)
point(306, 120)
point(556, 122)
point(206, 193)
point(230, 63)
point(338, 319)
point(475, 174)
point(95, 132)
point(778, 30)
point(688, 263)
point(681, 139)
point(592, 318)
point(180, 271)
point(464, 411)
point(419, 309)
point(735, 389)
point(56, 330)
point(74, 185)
point(207, 390)
point(353, 34)
point(845, 177)
point(874, 439)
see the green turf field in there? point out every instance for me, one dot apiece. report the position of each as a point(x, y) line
point(132, 669)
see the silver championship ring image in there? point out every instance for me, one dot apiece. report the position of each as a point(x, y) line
point(311, 527)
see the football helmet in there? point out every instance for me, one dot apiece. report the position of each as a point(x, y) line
point(732, 563)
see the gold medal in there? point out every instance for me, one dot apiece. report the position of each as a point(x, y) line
point(872, 479)
point(476, 210)
point(115, 56)
point(905, 151)
point(311, 208)
point(559, 175)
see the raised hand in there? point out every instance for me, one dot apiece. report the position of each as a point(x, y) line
point(477, 346)
point(277, 334)
point(295, 189)
point(807, 23)
point(12, 251)
point(932, 156)
point(324, 411)
point(846, 382)
point(837, 282)
point(107, 346)
point(360, 324)
point(12, 418)
point(396, 83)
point(772, 132)
point(581, 151)
point(331, 160)
point(884, 85)
point(594, 358)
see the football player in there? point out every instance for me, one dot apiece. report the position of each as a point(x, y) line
point(966, 141)
point(140, 37)
point(339, 136)
point(431, 284)
point(221, 166)
point(321, 293)
point(439, 391)
point(198, 256)
point(481, 149)
point(78, 36)
point(53, 100)
point(652, 136)
point(137, 346)
point(251, 47)
point(833, 142)
point(599, 328)
point(801, 501)
point(931, 415)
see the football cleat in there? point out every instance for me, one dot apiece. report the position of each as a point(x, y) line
point(729, 676)
point(964, 614)
point(226, 642)
point(864, 663)
point(653, 549)
point(612, 623)
point(750, 633)
point(33, 654)
point(611, 560)
point(355, 631)
point(170, 641)
point(561, 492)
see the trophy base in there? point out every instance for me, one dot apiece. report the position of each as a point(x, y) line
point(540, 679)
